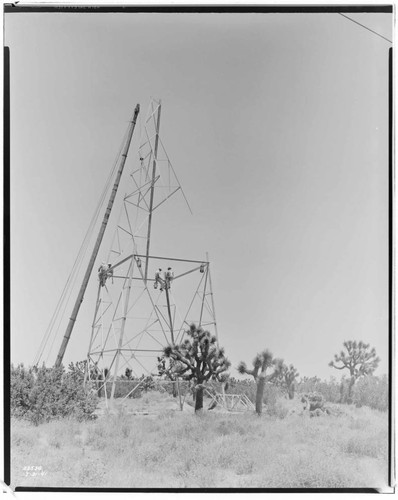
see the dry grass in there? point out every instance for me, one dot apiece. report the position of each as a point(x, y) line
point(179, 449)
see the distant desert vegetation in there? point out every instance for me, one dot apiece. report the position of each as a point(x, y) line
point(194, 426)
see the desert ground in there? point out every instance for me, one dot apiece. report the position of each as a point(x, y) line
point(149, 443)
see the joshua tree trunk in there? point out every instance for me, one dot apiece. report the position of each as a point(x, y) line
point(291, 391)
point(350, 386)
point(199, 400)
point(259, 395)
point(341, 392)
point(175, 392)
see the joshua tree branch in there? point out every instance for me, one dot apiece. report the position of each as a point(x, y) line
point(338, 367)
point(184, 360)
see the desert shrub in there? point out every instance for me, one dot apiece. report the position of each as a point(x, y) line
point(308, 384)
point(78, 401)
point(271, 395)
point(368, 391)
point(42, 394)
point(364, 445)
point(279, 409)
point(330, 390)
point(22, 382)
point(371, 391)
point(313, 401)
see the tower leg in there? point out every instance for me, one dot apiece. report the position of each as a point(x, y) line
point(167, 287)
point(123, 325)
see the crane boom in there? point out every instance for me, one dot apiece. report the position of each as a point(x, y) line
point(90, 266)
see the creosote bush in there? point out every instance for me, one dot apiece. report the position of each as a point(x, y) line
point(272, 399)
point(330, 390)
point(373, 392)
point(369, 391)
point(42, 394)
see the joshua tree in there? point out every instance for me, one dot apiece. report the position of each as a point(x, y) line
point(287, 379)
point(198, 359)
point(261, 363)
point(169, 371)
point(358, 360)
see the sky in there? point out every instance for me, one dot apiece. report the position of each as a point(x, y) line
point(277, 128)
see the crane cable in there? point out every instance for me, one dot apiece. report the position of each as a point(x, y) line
point(79, 259)
point(67, 290)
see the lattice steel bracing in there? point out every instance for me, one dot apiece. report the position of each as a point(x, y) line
point(133, 320)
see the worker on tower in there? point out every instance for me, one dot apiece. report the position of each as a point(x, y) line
point(102, 273)
point(169, 276)
point(202, 268)
point(109, 272)
point(158, 279)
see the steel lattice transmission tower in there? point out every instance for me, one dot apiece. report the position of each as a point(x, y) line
point(133, 320)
